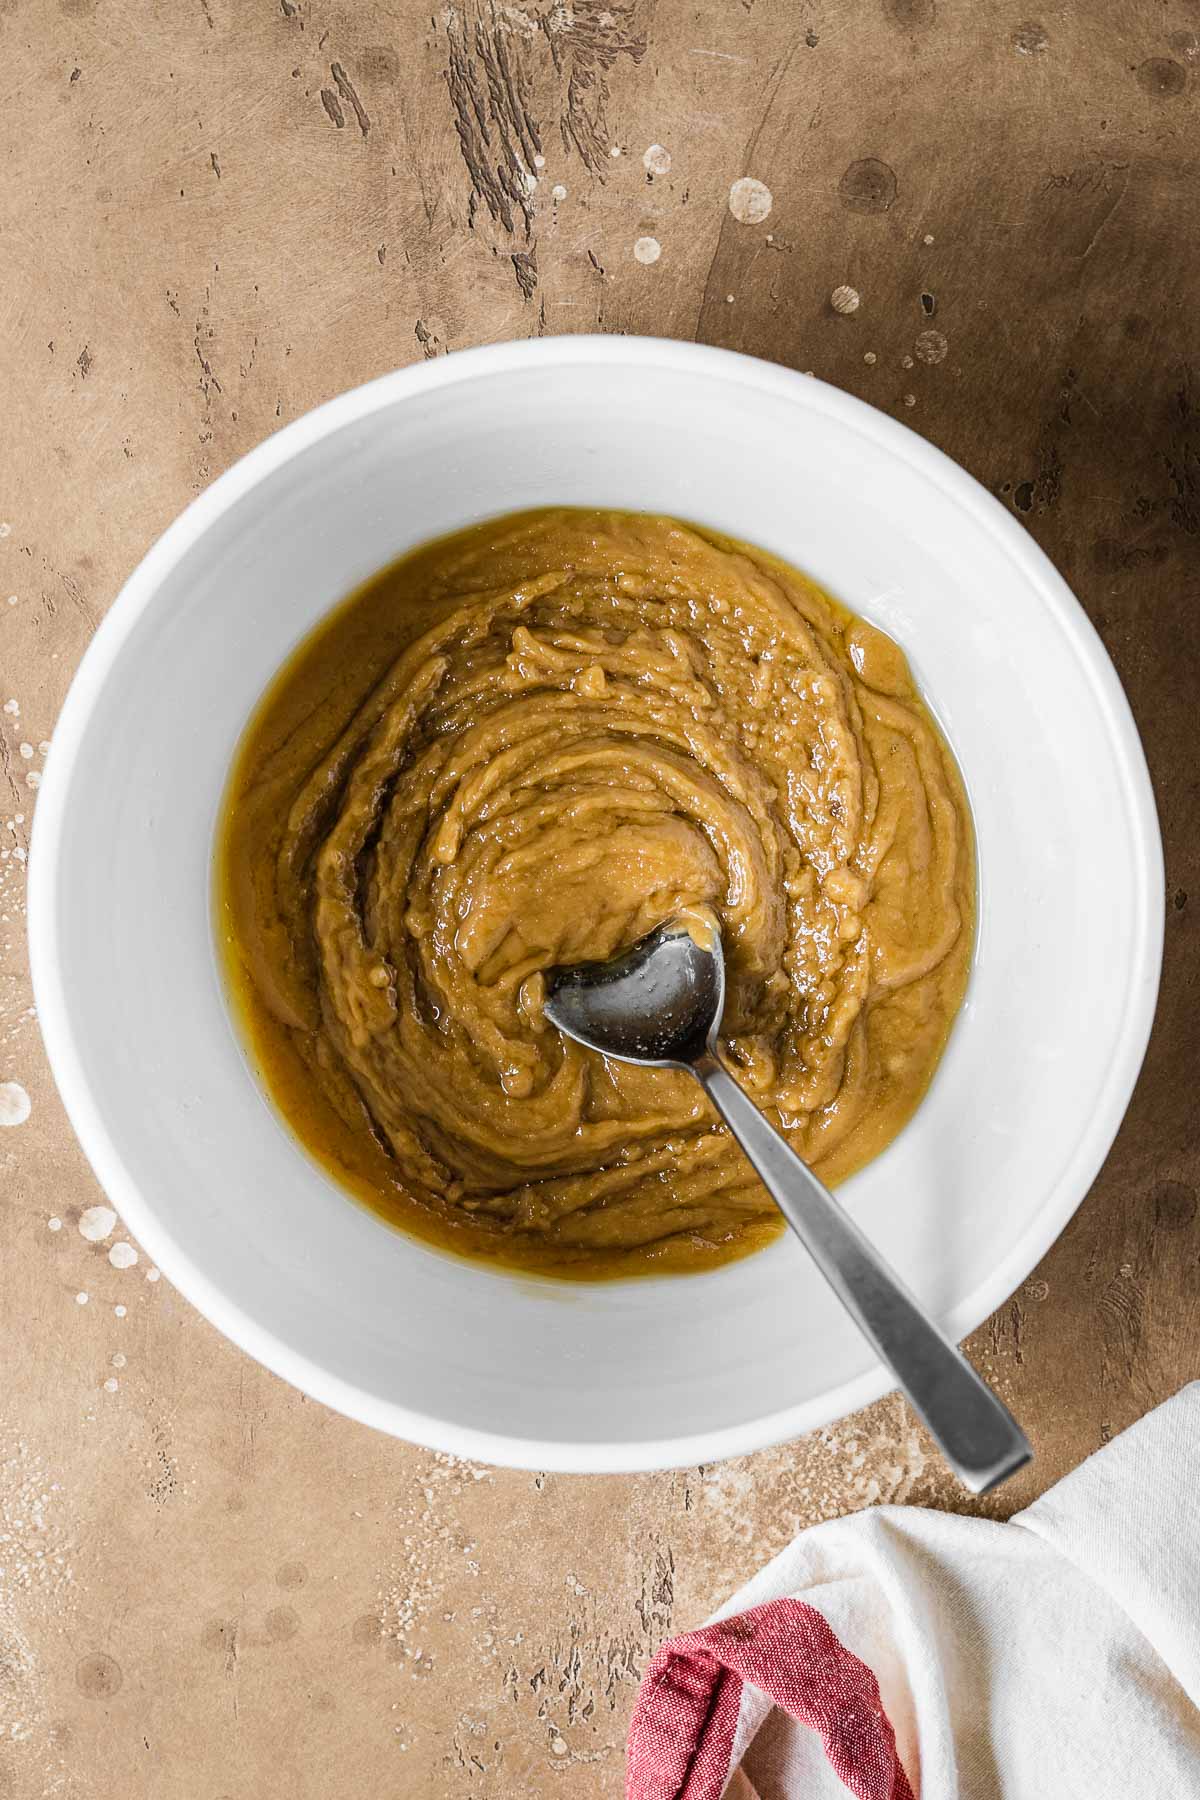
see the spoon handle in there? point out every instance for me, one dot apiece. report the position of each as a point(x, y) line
point(978, 1436)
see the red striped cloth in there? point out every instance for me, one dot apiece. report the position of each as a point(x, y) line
point(682, 1736)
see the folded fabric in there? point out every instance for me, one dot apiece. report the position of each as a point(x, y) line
point(901, 1653)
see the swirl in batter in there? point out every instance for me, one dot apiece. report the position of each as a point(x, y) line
point(528, 745)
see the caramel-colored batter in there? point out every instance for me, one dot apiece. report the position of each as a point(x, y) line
point(528, 745)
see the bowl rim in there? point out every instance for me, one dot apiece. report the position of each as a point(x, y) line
point(138, 593)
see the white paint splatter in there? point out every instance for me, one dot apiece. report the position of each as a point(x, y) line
point(122, 1255)
point(13, 707)
point(25, 750)
point(15, 1104)
point(910, 399)
point(750, 201)
point(615, 151)
point(558, 191)
point(517, 20)
point(119, 1359)
point(656, 160)
point(870, 357)
point(44, 747)
point(119, 1311)
point(53, 1224)
point(96, 1223)
point(153, 1274)
point(539, 162)
point(845, 299)
point(111, 1385)
point(5, 529)
point(729, 299)
point(931, 347)
point(33, 779)
point(928, 238)
point(12, 599)
point(81, 1299)
point(647, 250)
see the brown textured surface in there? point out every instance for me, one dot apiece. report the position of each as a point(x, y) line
point(214, 216)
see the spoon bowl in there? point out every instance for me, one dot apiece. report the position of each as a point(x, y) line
point(657, 1003)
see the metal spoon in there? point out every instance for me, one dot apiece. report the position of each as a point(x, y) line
point(661, 1004)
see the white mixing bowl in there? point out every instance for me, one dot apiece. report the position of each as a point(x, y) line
point(636, 1374)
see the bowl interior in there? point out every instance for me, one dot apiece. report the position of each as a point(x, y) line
point(617, 1375)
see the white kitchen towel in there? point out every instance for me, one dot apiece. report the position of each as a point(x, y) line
point(901, 1652)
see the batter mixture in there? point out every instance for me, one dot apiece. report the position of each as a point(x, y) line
point(529, 744)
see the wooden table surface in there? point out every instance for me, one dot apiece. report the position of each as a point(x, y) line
point(216, 214)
